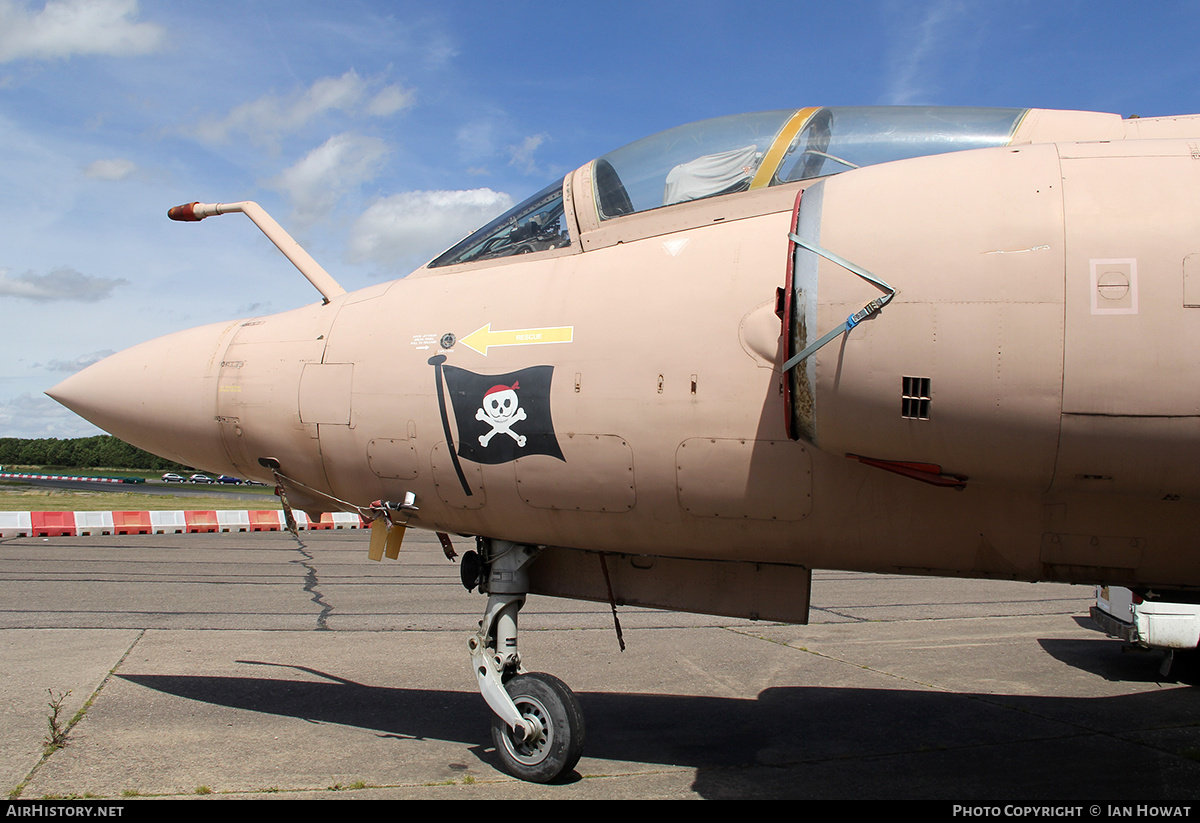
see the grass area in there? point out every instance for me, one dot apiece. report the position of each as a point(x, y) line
point(18, 495)
point(62, 500)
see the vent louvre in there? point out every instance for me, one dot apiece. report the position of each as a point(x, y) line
point(915, 397)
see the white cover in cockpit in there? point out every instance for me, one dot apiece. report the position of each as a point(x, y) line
point(710, 174)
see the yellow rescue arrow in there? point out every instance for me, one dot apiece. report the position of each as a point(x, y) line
point(483, 338)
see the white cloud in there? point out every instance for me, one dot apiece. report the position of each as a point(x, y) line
point(78, 364)
point(415, 225)
point(28, 415)
point(60, 284)
point(271, 116)
point(63, 28)
point(389, 101)
point(328, 172)
point(114, 169)
point(909, 64)
point(521, 156)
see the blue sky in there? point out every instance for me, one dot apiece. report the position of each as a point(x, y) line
point(378, 133)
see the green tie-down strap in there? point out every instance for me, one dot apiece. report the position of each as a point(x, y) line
point(853, 320)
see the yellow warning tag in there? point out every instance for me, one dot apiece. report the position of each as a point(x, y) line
point(395, 536)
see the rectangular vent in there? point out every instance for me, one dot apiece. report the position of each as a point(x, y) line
point(914, 400)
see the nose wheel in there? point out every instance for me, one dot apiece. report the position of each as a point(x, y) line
point(556, 729)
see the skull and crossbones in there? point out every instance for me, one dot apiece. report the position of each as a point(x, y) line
point(500, 410)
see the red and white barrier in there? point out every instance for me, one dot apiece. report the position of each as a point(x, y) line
point(12, 476)
point(61, 524)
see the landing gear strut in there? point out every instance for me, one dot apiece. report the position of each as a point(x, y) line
point(538, 729)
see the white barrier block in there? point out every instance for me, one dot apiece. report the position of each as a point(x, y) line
point(93, 523)
point(168, 522)
point(233, 521)
point(346, 520)
point(15, 524)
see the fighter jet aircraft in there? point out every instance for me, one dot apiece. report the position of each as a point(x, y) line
point(907, 340)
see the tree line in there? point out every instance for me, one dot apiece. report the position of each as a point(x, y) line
point(100, 451)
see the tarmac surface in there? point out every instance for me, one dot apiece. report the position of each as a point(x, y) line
point(265, 666)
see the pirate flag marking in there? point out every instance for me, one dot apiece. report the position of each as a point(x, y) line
point(502, 417)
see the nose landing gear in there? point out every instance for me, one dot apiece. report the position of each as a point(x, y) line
point(538, 727)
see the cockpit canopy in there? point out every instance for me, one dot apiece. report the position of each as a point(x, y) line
point(739, 153)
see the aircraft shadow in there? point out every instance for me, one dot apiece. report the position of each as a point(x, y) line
point(801, 741)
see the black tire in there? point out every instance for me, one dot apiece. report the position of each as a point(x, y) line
point(549, 700)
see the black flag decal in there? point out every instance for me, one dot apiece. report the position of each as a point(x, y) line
point(499, 417)
point(502, 417)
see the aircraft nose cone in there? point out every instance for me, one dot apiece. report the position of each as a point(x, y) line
point(160, 395)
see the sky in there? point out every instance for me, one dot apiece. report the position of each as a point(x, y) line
point(379, 133)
